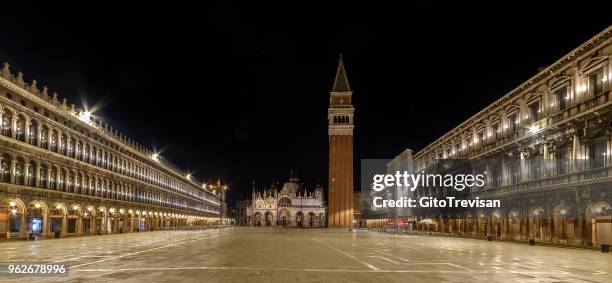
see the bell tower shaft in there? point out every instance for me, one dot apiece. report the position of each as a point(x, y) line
point(340, 131)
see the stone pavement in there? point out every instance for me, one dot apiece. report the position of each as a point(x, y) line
point(302, 255)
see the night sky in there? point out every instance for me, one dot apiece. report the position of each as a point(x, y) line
point(241, 92)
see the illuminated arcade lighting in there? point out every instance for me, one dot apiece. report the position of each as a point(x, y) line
point(533, 129)
point(74, 207)
point(37, 205)
point(89, 208)
point(58, 206)
point(562, 211)
point(14, 211)
point(12, 203)
point(188, 176)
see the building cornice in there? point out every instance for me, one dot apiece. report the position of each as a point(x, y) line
point(594, 42)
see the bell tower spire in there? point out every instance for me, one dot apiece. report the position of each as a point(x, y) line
point(340, 131)
point(341, 82)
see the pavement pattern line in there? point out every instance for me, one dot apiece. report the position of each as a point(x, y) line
point(410, 262)
point(347, 255)
point(147, 250)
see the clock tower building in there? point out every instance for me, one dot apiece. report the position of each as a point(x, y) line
point(340, 131)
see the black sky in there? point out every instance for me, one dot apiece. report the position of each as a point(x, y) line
point(241, 91)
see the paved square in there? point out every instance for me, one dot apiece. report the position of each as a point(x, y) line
point(298, 255)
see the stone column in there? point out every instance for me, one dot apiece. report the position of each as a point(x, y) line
point(48, 185)
point(23, 227)
point(546, 169)
point(79, 225)
point(14, 126)
point(45, 228)
point(49, 135)
point(1, 121)
point(67, 145)
point(64, 230)
point(26, 131)
point(26, 174)
point(57, 179)
point(92, 223)
point(104, 221)
point(524, 175)
point(576, 151)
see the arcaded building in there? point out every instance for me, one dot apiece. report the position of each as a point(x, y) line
point(291, 206)
point(546, 151)
point(64, 173)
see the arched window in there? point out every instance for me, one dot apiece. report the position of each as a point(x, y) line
point(86, 153)
point(20, 128)
point(78, 150)
point(7, 121)
point(64, 145)
point(62, 180)
point(33, 135)
point(52, 178)
point(53, 141)
point(19, 172)
point(5, 168)
point(31, 174)
point(44, 136)
point(71, 147)
point(43, 176)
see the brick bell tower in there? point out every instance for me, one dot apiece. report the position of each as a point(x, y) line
point(340, 130)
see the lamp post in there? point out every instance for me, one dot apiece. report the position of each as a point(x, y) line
point(222, 188)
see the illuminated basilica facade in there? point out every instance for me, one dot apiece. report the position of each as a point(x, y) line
point(64, 173)
point(546, 151)
point(291, 206)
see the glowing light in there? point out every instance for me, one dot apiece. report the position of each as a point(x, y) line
point(58, 206)
point(533, 129)
point(37, 205)
point(121, 211)
point(74, 207)
point(14, 211)
point(12, 203)
point(85, 116)
point(155, 157)
point(188, 176)
point(562, 211)
point(598, 209)
point(89, 209)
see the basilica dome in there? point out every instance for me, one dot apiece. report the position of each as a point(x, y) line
point(292, 187)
